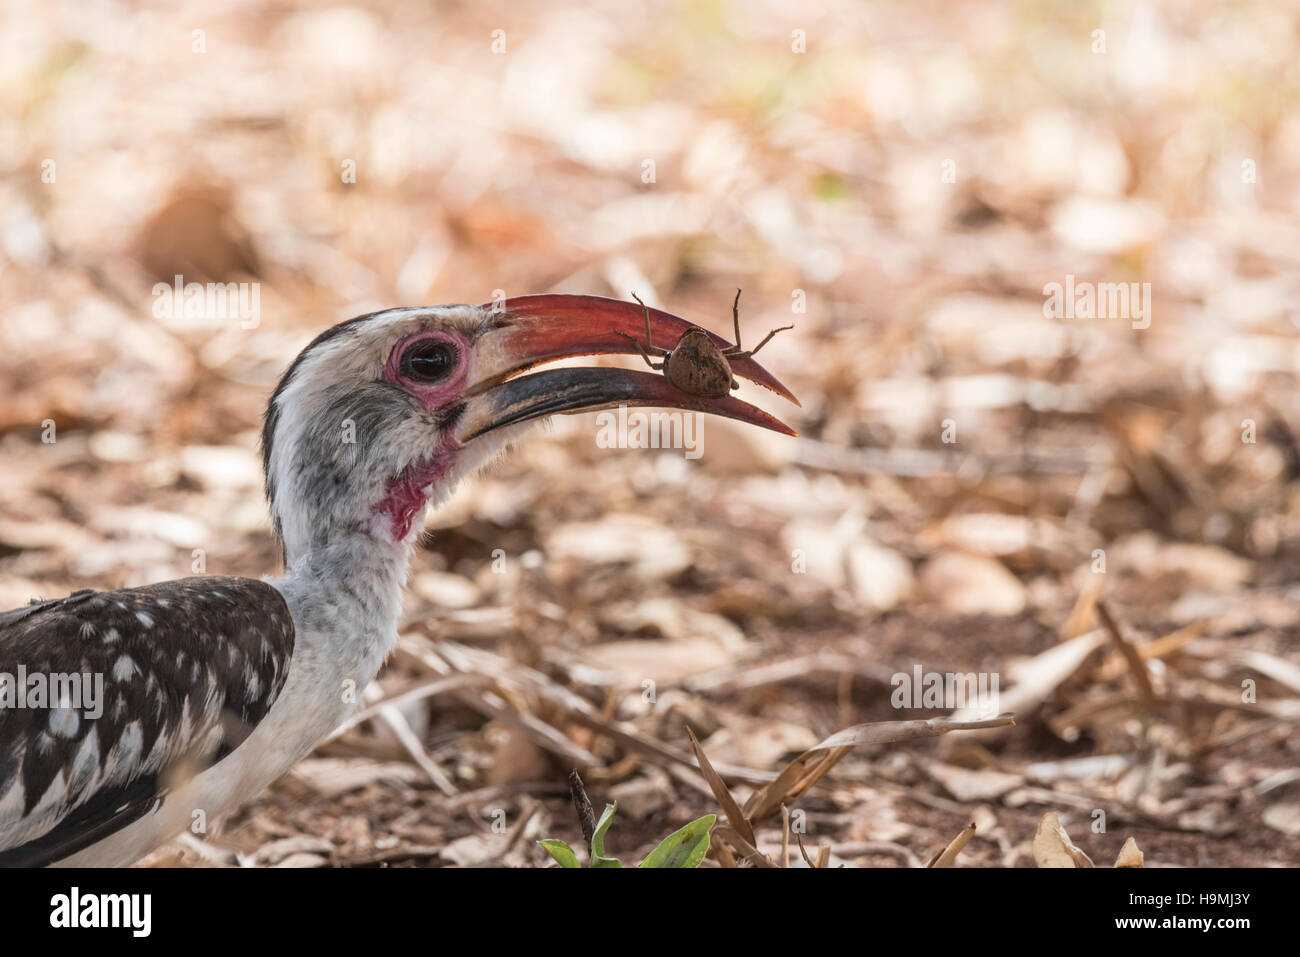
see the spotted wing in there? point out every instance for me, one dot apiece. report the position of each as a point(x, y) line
point(109, 699)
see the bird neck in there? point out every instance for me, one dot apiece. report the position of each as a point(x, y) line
point(345, 595)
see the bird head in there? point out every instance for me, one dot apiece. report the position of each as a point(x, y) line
point(381, 416)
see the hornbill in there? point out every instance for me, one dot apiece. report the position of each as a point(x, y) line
point(214, 686)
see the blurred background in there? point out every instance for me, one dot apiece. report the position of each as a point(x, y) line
point(975, 473)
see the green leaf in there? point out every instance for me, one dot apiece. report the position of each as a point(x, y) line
point(562, 853)
point(683, 848)
point(598, 858)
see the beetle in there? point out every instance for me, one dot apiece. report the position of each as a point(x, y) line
point(696, 365)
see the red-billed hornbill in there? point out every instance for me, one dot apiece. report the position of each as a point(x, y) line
point(213, 686)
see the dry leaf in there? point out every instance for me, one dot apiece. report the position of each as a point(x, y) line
point(972, 786)
point(730, 808)
point(1283, 817)
point(966, 584)
point(1052, 846)
point(1129, 855)
point(881, 577)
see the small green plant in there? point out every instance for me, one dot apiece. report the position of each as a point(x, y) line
point(685, 847)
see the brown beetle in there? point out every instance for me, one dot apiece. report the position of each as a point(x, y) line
point(696, 365)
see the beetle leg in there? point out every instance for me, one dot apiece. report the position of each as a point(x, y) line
point(745, 355)
point(735, 317)
point(648, 344)
point(737, 351)
point(767, 337)
point(641, 349)
point(645, 312)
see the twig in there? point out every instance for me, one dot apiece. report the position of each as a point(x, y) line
point(425, 690)
point(494, 706)
point(799, 837)
point(807, 769)
point(785, 836)
point(445, 657)
point(1136, 666)
point(732, 679)
point(410, 743)
point(948, 855)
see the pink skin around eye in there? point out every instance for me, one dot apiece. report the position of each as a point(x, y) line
point(405, 494)
point(430, 395)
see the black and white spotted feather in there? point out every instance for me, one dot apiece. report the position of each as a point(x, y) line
point(189, 668)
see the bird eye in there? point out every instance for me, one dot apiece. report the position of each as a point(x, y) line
point(429, 360)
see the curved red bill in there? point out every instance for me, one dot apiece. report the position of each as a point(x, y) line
point(547, 327)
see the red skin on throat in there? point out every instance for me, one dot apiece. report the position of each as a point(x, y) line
point(405, 495)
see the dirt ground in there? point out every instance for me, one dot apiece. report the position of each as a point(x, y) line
point(1097, 508)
